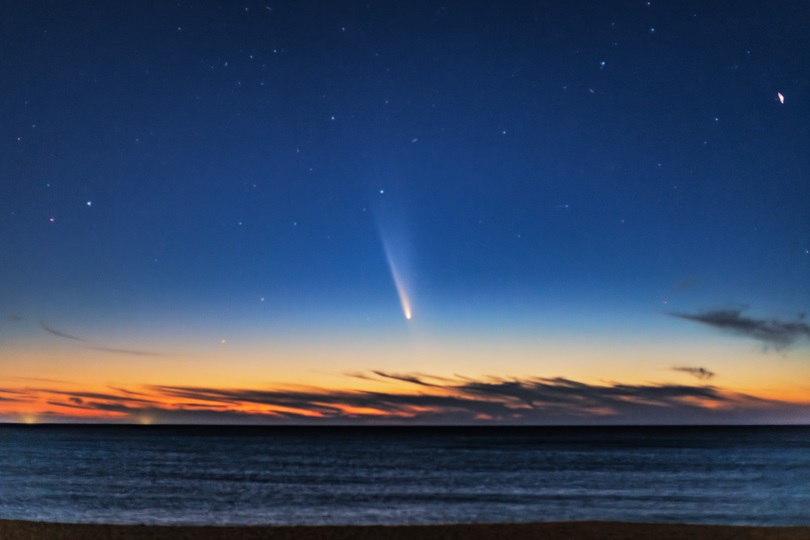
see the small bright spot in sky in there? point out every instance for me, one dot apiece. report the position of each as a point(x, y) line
point(89, 203)
point(781, 97)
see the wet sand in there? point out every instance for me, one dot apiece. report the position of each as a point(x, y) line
point(582, 530)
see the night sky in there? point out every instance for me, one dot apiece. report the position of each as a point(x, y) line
point(411, 212)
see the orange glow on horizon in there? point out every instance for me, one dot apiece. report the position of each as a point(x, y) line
point(289, 383)
point(148, 405)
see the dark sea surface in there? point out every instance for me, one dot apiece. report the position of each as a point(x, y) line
point(238, 476)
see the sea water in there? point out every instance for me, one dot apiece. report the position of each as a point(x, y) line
point(300, 476)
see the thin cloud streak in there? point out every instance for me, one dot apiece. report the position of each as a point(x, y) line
point(40, 379)
point(114, 350)
point(129, 352)
point(698, 372)
point(59, 333)
point(415, 378)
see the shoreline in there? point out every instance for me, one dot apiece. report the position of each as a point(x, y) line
point(584, 530)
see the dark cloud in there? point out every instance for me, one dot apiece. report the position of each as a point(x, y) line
point(514, 401)
point(73, 396)
point(14, 394)
point(773, 332)
point(59, 333)
point(460, 400)
point(65, 404)
point(699, 372)
point(130, 352)
point(15, 318)
point(190, 405)
point(127, 392)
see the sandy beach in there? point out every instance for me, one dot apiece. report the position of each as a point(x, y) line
point(584, 530)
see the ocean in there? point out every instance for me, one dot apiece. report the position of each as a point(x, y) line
point(404, 475)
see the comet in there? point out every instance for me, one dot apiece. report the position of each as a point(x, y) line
point(399, 284)
point(393, 233)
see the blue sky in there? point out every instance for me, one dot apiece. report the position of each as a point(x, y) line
point(544, 178)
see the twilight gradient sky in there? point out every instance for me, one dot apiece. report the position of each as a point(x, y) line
point(222, 212)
